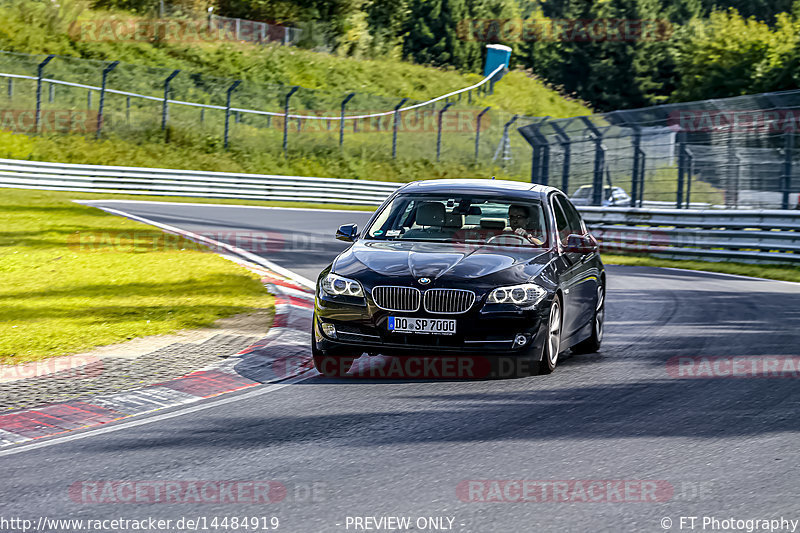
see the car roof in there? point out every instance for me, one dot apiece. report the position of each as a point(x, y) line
point(604, 186)
point(483, 186)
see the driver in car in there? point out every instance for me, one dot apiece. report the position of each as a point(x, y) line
point(520, 220)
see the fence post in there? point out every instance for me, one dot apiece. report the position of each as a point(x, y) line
point(505, 142)
point(51, 93)
point(394, 131)
point(478, 131)
point(788, 146)
point(681, 168)
point(128, 109)
point(642, 167)
point(165, 105)
point(228, 110)
point(39, 71)
point(89, 99)
point(286, 118)
point(599, 162)
point(10, 88)
point(439, 131)
point(566, 147)
point(106, 70)
point(636, 142)
point(736, 179)
point(690, 172)
point(540, 161)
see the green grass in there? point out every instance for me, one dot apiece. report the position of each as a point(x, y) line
point(779, 272)
point(63, 294)
point(185, 153)
point(226, 201)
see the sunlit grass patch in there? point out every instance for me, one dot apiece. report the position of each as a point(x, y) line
point(75, 277)
point(779, 272)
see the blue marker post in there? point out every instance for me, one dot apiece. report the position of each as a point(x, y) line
point(496, 55)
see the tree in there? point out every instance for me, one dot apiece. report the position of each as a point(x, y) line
point(433, 36)
point(728, 55)
point(621, 71)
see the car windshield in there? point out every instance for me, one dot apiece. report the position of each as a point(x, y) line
point(462, 219)
point(582, 192)
point(587, 190)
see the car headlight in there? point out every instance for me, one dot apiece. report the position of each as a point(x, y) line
point(525, 295)
point(335, 285)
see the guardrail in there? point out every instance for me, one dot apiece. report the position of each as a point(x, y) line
point(170, 182)
point(751, 236)
point(713, 234)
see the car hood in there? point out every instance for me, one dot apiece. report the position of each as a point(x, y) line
point(435, 260)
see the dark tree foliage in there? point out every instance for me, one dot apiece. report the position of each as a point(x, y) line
point(706, 49)
point(630, 71)
point(434, 31)
point(432, 37)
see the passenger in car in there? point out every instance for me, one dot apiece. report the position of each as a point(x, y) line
point(522, 224)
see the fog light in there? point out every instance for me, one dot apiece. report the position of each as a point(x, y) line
point(329, 330)
point(520, 339)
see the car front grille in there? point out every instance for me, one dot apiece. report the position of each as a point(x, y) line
point(396, 298)
point(448, 301)
point(436, 301)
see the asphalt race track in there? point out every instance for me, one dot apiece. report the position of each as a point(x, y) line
point(725, 447)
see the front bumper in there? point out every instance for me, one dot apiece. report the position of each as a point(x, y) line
point(362, 329)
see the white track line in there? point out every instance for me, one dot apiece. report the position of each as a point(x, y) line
point(205, 240)
point(737, 276)
point(157, 418)
point(367, 210)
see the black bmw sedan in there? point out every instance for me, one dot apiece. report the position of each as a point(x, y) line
point(463, 268)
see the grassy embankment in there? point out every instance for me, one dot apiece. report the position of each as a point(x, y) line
point(325, 79)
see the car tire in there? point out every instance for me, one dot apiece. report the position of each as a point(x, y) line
point(592, 344)
point(551, 346)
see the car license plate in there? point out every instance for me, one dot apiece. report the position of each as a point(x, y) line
point(436, 326)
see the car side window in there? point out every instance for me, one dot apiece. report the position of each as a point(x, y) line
point(573, 217)
point(562, 225)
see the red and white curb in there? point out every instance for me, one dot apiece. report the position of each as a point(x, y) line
point(284, 353)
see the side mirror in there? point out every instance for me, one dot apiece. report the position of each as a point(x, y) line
point(347, 232)
point(581, 244)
